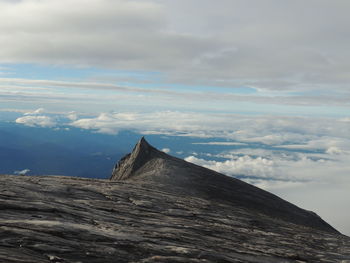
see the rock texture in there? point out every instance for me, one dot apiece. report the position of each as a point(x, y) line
point(157, 208)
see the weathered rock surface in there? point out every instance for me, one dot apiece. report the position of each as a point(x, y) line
point(139, 217)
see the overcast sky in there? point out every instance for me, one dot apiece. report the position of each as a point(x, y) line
point(272, 72)
point(295, 49)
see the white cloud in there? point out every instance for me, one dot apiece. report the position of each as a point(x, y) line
point(121, 33)
point(166, 150)
point(295, 166)
point(164, 122)
point(243, 165)
point(220, 143)
point(13, 110)
point(73, 116)
point(328, 144)
point(334, 150)
point(22, 172)
point(31, 88)
point(35, 112)
point(345, 119)
point(43, 121)
point(104, 123)
point(281, 131)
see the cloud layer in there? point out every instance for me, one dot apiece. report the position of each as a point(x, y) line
point(287, 132)
point(295, 46)
point(78, 95)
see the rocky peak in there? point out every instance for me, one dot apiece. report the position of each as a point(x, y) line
point(130, 163)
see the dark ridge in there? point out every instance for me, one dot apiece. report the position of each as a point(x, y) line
point(146, 165)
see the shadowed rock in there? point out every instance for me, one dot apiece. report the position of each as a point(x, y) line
point(130, 164)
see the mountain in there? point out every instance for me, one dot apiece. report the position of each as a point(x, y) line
point(157, 208)
point(147, 165)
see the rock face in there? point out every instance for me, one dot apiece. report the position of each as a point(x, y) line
point(157, 208)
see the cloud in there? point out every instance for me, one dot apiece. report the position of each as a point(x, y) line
point(35, 112)
point(220, 143)
point(13, 110)
point(22, 172)
point(243, 165)
point(334, 150)
point(52, 89)
point(73, 116)
point(263, 47)
point(281, 131)
point(35, 118)
point(42, 121)
point(118, 33)
point(331, 145)
point(281, 164)
point(166, 150)
point(104, 123)
point(163, 122)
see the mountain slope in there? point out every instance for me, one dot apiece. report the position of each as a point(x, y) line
point(147, 165)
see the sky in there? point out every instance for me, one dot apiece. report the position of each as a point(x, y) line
point(273, 74)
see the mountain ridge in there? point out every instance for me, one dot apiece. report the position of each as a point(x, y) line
point(146, 164)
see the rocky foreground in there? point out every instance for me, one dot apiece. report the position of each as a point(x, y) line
point(138, 217)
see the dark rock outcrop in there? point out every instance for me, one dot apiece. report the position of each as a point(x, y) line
point(139, 217)
point(130, 164)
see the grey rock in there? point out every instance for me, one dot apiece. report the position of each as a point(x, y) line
point(157, 209)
